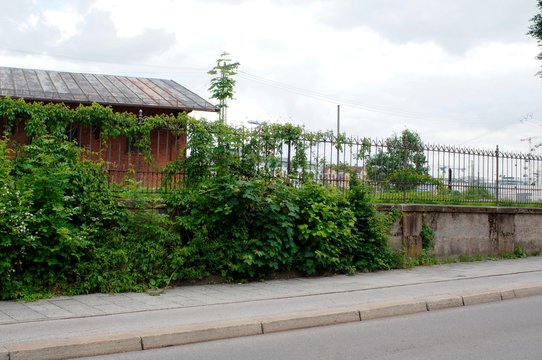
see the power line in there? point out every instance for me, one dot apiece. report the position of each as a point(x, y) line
point(335, 99)
point(381, 109)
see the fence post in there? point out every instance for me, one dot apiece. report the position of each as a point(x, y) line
point(497, 178)
point(289, 164)
point(140, 122)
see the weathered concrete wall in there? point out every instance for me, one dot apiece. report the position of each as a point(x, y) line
point(467, 230)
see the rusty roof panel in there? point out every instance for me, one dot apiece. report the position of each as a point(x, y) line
point(171, 92)
point(41, 85)
point(161, 96)
point(110, 85)
point(125, 86)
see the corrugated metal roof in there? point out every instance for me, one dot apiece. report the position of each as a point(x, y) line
point(55, 86)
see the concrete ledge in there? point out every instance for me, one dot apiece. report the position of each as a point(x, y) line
point(309, 319)
point(528, 290)
point(376, 311)
point(481, 298)
point(467, 209)
point(443, 302)
point(72, 348)
point(198, 333)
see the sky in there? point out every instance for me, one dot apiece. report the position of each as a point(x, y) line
point(458, 72)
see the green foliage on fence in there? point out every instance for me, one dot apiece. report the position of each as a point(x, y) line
point(55, 119)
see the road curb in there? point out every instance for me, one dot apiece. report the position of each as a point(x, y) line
point(440, 302)
point(376, 311)
point(74, 347)
point(481, 298)
point(187, 334)
point(309, 319)
point(528, 290)
point(4, 353)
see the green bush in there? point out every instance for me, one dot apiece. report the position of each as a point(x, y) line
point(55, 207)
point(253, 228)
point(324, 230)
point(371, 230)
point(247, 225)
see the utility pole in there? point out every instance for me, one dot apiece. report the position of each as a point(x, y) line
point(222, 86)
point(226, 70)
point(338, 132)
point(530, 140)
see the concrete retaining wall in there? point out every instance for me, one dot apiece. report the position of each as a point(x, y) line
point(467, 230)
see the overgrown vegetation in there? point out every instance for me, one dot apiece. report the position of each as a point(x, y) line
point(63, 231)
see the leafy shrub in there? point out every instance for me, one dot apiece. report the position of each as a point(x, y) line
point(324, 230)
point(248, 225)
point(57, 206)
point(371, 230)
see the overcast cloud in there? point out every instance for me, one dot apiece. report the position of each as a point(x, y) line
point(459, 72)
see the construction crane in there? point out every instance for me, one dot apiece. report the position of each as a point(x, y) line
point(530, 140)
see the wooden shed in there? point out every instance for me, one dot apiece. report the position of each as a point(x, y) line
point(138, 95)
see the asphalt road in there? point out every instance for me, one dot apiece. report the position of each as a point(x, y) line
point(509, 329)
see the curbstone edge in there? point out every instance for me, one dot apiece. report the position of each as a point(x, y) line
point(376, 311)
point(4, 353)
point(199, 333)
point(507, 294)
point(443, 302)
point(528, 290)
point(76, 347)
point(309, 319)
point(482, 297)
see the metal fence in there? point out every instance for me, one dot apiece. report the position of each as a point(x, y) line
point(395, 173)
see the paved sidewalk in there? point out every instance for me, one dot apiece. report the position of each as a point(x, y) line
point(103, 323)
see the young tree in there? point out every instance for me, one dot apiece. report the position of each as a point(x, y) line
point(222, 85)
point(535, 30)
point(401, 162)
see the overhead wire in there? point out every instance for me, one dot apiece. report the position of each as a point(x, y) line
point(387, 110)
point(317, 95)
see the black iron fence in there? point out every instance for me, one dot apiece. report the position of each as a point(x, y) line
point(394, 172)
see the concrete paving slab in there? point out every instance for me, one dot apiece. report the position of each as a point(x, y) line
point(49, 310)
point(23, 314)
point(78, 310)
point(5, 318)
